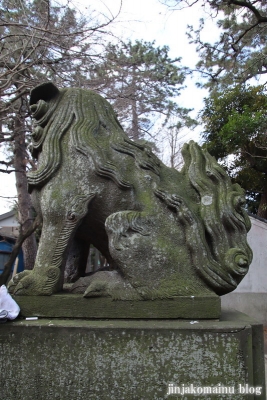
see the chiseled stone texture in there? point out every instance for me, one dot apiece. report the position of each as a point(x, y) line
point(119, 359)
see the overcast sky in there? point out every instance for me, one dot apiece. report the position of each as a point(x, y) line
point(147, 20)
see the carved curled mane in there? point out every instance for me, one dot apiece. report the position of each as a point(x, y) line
point(94, 130)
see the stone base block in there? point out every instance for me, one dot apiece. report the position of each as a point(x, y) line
point(75, 306)
point(132, 359)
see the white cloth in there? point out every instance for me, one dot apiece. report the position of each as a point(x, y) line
point(8, 304)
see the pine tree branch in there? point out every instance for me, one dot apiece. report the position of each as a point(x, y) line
point(248, 5)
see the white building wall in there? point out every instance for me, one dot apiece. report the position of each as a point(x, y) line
point(256, 279)
point(250, 297)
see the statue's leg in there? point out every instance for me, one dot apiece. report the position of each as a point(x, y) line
point(115, 284)
point(59, 227)
point(150, 253)
point(76, 261)
point(135, 248)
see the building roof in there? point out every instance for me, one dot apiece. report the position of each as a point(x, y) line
point(10, 232)
point(7, 215)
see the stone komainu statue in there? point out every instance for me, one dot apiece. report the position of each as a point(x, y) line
point(165, 233)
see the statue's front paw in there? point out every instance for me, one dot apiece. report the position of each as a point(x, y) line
point(15, 281)
point(38, 282)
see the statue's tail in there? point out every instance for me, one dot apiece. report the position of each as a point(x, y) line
point(219, 248)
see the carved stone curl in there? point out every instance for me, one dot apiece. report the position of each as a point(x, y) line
point(165, 233)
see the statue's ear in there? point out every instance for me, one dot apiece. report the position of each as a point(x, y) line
point(45, 91)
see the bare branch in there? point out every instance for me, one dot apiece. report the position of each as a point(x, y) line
point(8, 171)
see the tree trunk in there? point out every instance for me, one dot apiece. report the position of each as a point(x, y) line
point(262, 210)
point(135, 130)
point(24, 200)
point(135, 127)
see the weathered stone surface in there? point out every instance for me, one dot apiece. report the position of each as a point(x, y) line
point(111, 360)
point(165, 233)
point(76, 306)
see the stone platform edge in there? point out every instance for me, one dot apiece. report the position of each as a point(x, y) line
point(64, 305)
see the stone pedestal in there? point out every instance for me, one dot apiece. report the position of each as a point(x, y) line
point(75, 306)
point(132, 359)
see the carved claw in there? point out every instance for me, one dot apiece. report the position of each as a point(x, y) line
point(172, 201)
point(178, 204)
point(40, 282)
point(15, 281)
